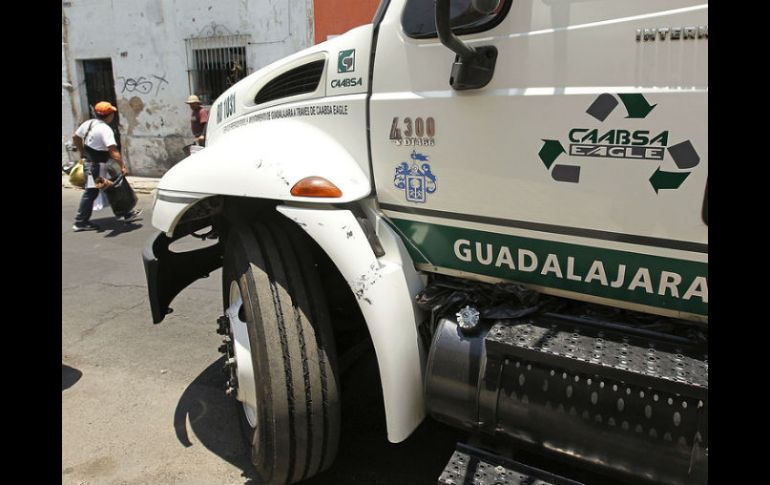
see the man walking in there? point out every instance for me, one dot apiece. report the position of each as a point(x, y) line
point(198, 120)
point(96, 142)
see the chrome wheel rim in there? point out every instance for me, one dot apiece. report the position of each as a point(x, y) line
point(244, 368)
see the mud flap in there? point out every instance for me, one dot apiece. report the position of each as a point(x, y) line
point(168, 272)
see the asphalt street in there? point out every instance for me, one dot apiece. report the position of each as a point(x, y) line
point(144, 403)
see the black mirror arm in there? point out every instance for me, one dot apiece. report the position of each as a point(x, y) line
point(445, 34)
point(473, 68)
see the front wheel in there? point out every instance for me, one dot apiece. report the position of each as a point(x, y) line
point(281, 351)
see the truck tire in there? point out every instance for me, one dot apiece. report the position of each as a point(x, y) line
point(269, 275)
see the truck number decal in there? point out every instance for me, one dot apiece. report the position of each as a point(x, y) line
point(226, 108)
point(413, 132)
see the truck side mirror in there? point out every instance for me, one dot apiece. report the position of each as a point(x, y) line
point(486, 7)
point(473, 67)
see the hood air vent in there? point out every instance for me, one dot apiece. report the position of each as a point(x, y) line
point(301, 80)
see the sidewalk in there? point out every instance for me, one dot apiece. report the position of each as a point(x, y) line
point(141, 185)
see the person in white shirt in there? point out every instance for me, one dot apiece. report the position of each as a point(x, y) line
point(96, 142)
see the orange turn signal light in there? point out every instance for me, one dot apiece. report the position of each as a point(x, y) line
point(315, 187)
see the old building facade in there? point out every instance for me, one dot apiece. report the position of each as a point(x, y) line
point(148, 56)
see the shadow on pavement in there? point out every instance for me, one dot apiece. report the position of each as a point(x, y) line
point(365, 456)
point(213, 418)
point(114, 226)
point(69, 376)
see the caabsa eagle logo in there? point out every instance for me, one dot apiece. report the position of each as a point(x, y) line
point(629, 144)
point(346, 61)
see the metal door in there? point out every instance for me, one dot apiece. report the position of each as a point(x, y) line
point(579, 169)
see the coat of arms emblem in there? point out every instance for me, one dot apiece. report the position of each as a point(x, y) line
point(416, 180)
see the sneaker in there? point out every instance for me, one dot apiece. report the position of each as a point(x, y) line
point(132, 216)
point(88, 226)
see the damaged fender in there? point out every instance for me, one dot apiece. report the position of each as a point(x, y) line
point(169, 272)
point(385, 289)
point(263, 160)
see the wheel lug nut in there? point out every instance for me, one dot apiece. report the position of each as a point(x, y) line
point(231, 391)
point(224, 325)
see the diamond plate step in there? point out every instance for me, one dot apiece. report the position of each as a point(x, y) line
point(630, 402)
point(472, 466)
point(634, 360)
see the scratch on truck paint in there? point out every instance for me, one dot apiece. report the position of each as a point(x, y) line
point(365, 282)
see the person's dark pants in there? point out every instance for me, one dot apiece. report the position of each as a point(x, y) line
point(89, 195)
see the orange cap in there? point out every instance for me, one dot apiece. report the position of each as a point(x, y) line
point(104, 108)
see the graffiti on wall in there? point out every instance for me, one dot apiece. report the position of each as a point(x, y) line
point(142, 85)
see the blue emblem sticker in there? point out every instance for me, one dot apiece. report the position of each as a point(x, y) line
point(417, 181)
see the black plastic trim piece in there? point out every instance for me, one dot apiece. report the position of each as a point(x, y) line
point(705, 213)
point(168, 273)
point(380, 13)
point(300, 80)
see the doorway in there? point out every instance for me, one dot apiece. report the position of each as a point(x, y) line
point(100, 86)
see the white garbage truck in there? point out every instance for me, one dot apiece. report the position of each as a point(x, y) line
point(510, 196)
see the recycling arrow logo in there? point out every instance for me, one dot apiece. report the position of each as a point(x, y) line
point(612, 143)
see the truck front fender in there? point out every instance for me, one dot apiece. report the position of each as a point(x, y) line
point(260, 160)
point(385, 288)
point(264, 160)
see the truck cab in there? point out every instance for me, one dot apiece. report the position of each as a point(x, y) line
point(496, 185)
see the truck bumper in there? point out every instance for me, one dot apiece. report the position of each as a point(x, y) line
point(169, 272)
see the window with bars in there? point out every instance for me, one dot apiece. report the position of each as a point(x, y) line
point(215, 63)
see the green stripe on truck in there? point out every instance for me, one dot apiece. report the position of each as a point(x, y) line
point(670, 283)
